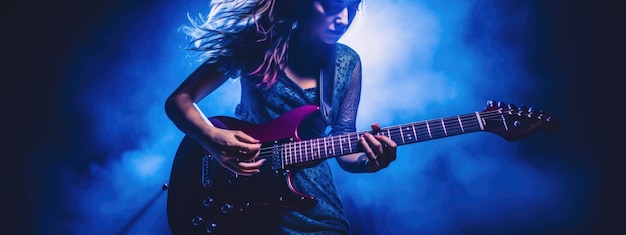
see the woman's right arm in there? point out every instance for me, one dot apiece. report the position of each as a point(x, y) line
point(227, 145)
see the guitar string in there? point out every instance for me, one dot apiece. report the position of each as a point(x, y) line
point(393, 132)
point(296, 153)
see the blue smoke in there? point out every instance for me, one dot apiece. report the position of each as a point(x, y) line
point(421, 60)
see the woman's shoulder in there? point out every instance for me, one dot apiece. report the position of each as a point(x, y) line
point(344, 50)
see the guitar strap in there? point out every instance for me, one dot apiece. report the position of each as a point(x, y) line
point(325, 109)
point(331, 87)
point(327, 84)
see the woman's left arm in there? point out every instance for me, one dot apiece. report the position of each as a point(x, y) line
point(377, 151)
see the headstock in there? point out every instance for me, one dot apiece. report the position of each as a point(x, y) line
point(515, 123)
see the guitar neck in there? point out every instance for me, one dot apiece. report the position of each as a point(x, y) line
point(333, 146)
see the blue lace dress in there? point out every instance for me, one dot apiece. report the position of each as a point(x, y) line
point(262, 105)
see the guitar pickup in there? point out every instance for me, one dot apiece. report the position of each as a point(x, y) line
point(208, 169)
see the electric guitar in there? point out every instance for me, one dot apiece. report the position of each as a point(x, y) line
point(206, 198)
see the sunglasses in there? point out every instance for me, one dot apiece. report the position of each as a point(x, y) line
point(332, 7)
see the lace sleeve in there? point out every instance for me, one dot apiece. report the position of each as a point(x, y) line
point(350, 94)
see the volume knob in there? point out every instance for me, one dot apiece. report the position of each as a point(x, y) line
point(196, 221)
point(210, 228)
point(227, 208)
point(208, 202)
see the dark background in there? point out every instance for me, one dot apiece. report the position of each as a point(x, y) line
point(583, 42)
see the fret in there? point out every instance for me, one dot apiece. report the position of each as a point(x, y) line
point(430, 135)
point(311, 151)
point(332, 143)
point(460, 123)
point(314, 153)
point(327, 148)
point(435, 129)
point(398, 139)
point(480, 121)
point(340, 148)
point(325, 152)
point(355, 141)
point(443, 124)
point(344, 141)
point(286, 151)
point(350, 142)
point(291, 153)
point(319, 151)
point(408, 133)
point(340, 144)
point(307, 153)
point(304, 157)
point(470, 123)
point(453, 126)
point(298, 152)
point(422, 131)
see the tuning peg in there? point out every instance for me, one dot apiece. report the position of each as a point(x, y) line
point(543, 114)
point(512, 107)
point(534, 113)
point(502, 105)
point(489, 103)
point(523, 111)
point(523, 108)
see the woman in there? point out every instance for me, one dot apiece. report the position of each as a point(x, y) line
point(285, 54)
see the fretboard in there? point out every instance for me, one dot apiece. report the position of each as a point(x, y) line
point(338, 145)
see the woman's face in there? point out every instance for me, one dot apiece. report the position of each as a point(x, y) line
point(330, 19)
